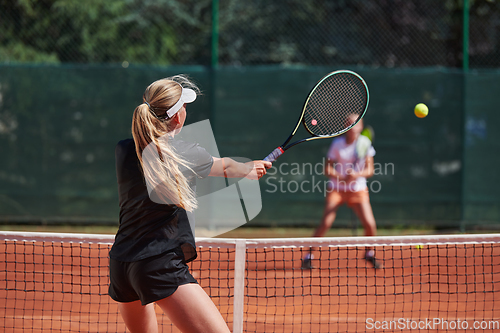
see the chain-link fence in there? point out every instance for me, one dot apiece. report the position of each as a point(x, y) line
point(382, 33)
point(59, 126)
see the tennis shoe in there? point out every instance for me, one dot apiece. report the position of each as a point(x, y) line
point(371, 259)
point(307, 263)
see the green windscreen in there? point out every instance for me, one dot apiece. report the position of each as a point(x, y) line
point(59, 126)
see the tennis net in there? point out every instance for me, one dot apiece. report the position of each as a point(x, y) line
point(59, 282)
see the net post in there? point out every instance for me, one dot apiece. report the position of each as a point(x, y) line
point(239, 284)
point(465, 70)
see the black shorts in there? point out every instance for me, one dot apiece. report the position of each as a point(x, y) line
point(150, 279)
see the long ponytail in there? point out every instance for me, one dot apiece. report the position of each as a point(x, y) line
point(159, 161)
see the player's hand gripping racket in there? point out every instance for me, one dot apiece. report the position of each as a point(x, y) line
point(335, 104)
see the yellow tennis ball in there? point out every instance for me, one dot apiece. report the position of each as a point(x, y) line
point(419, 247)
point(421, 110)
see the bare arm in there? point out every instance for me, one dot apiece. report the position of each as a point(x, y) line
point(330, 170)
point(366, 172)
point(229, 168)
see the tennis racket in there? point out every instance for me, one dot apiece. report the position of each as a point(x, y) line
point(364, 144)
point(368, 132)
point(334, 105)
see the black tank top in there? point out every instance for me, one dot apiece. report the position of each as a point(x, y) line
point(148, 228)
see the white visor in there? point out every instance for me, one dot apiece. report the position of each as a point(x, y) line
point(187, 96)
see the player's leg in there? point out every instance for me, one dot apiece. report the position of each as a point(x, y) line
point(363, 210)
point(192, 310)
point(139, 318)
point(333, 201)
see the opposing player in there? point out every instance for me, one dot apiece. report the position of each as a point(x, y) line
point(349, 164)
point(154, 240)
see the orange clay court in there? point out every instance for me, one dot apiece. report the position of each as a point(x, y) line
point(49, 286)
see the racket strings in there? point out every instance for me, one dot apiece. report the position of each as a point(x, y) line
point(333, 101)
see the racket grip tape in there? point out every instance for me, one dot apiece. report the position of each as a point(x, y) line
point(274, 154)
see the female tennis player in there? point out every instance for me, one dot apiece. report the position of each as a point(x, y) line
point(154, 240)
point(348, 172)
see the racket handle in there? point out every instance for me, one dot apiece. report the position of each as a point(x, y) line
point(274, 155)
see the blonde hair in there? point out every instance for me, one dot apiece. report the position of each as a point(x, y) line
point(150, 128)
